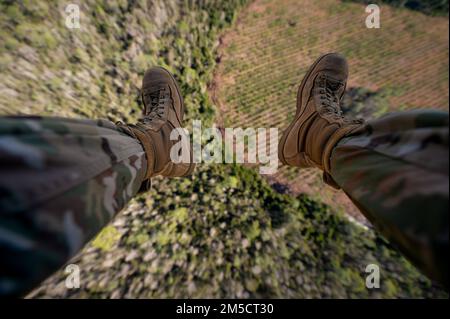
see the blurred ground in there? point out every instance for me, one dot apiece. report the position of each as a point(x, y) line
point(224, 231)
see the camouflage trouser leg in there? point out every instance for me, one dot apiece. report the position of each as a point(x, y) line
point(61, 181)
point(395, 170)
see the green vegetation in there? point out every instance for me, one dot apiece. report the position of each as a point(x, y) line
point(223, 232)
point(227, 233)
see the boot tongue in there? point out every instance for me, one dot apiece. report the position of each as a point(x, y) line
point(328, 92)
point(331, 89)
point(154, 103)
point(334, 85)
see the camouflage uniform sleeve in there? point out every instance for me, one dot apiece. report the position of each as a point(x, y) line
point(61, 181)
point(395, 169)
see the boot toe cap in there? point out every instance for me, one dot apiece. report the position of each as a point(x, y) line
point(156, 75)
point(334, 65)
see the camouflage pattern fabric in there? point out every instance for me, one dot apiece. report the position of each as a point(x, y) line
point(61, 181)
point(395, 169)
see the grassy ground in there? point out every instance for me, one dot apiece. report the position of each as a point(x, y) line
point(224, 232)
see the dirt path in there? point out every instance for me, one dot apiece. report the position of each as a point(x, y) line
point(264, 57)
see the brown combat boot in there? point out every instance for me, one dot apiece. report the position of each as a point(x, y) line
point(163, 112)
point(319, 123)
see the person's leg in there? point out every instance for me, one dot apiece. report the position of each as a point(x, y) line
point(395, 169)
point(61, 181)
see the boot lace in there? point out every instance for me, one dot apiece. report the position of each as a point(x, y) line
point(329, 91)
point(157, 99)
